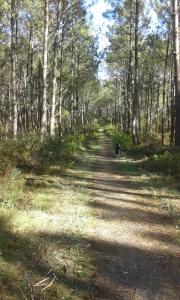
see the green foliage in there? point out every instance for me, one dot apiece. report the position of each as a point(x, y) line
point(29, 152)
point(91, 133)
point(119, 137)
point(6, 161)
point(11, 189)
point(157, 159)
point(146, 150)
point(153, 140)
point(66, 149)
point(25, 152)
point(123, 139)
point(109, 130)
point(46, 214)
point(167, 163)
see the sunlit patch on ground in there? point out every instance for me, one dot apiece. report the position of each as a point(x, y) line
point(107, 232)
point(41, 249)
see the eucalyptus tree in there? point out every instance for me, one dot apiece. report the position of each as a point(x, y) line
point(176, 41)
point(13, 63)
point(135, 103)
point(45, 64)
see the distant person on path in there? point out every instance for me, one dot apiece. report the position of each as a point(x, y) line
point(117, 150)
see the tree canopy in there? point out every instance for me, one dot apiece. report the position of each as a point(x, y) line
point(49, 68)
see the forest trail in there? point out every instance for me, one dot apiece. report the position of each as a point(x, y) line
point(132, 251)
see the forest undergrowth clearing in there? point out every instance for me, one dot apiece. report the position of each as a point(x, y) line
point(132, 240)
point(41, 238)
point(164, 189)
point(78, 231)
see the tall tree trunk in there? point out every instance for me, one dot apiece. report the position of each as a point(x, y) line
point(164, 92)
point(31, 81)
point(45, 57)
point(39, 92)
point(72, 83)
point(28, 98)
point(157, 107)
point(168, 97)
point(172, 109)
point(60, 108)
point(176, 34)
point(115, 104)
point(135, 106)
point(60, 90)
point(57, 40)
point(77, 62)
point(151, 107)
point(54, 89)
point(13, 64)
point(147, 111)
point(129, 77)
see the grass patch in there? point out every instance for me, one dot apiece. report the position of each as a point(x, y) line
point(129, 166)
point(11, 188)
point(164, 189)
point(42, 237)
point(155, 169)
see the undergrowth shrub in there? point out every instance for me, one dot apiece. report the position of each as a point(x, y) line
point(11, 189)
point(109, 130)
point(146, 150)
point(30, 153)
point(159, 159)
point(20, 153)
point(123, 139)
point(27, 152)
point(91, 134)
point(154, 139)
point(162, 159)
point(61, 150)
point(167, 163)
point(7, 163)
point(119, 137)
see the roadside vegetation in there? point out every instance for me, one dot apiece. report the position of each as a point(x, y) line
point(43, 216)
point(153, 157)
point(155, 168)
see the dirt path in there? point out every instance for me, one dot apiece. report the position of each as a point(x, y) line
point(132, 251)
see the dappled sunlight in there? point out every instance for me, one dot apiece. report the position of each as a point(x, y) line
point(89, 150)
point(132, 236)
point(54, 206)
point(31, 258)
point(118, 268)
point(89, 235)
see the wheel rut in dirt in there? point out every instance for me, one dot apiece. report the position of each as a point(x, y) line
point(132, 251)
